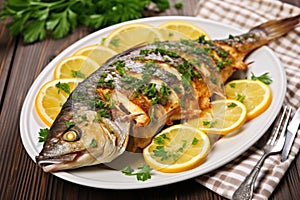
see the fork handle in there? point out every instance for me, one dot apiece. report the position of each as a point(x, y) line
point(245, 190)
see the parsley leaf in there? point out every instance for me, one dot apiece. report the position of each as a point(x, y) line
point(69, 124)
point(142, 175)
point(43, 134)
point(162, 4)
point(35, 31)
point(64, 87)
point(178, 5)
point(265, 78)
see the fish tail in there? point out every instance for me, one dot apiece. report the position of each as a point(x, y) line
point(276, 28)
point(241, 45)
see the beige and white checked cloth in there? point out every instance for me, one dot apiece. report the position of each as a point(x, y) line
point(246, 14)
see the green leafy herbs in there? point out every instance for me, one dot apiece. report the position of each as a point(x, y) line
point(35, 19)
point(93, 143)
point(106, 82)
point(232, 85)
point(161, 139)
point(141, 174)
point(195, 141)
point(232, 105)
point(265, 78)
point(164, 154)
point(43, 134)
point(240, 98)
point(178, 5)
point(64, 87)
point(69, 124)
point(77, 74)
point(209, 124)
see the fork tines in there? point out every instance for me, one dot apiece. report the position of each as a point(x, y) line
point(280, 124)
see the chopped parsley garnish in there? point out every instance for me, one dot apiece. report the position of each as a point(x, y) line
point(150, 91)
point(77, 74)
point(120, 67)
point(103, 113)
point(160, 151)
point(104, 82)
point(222, 63)
point(163, 154)
point(69, 124)
point(93, 143)
point(195, 141)
point(165, 92)
point(142, 174)
point(232, 85)
point(130, 82)
point(101, 104)
point(265, 78)
point(102, 108)
point(107, 96)
point(64, 87)
point(210, 124)
point(232, 105)
point(161, 139)
point(114, 42)
point(43, 134)
point(222, 53)
point(160, 51)
point(202, 40)
point(141, 58)
point(240, 98)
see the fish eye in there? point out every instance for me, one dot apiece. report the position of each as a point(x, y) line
point(71, 135)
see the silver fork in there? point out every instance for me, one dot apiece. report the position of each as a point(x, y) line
point(274, 145)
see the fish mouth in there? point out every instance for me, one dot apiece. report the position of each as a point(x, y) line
point(56, 163)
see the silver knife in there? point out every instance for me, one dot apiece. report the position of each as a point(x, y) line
point(290, 135)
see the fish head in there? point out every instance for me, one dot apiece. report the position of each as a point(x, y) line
point(83, 143)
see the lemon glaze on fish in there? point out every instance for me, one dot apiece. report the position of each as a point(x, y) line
point(123, 104)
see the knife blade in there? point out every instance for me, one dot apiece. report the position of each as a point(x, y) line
point(290, 135)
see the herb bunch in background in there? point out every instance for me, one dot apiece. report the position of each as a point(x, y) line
point(35, 19)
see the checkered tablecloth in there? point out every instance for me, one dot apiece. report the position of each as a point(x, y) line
point(246, 14)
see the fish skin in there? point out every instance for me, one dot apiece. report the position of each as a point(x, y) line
point(114, 109)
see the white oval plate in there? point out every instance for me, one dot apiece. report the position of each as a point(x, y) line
point(225, 150)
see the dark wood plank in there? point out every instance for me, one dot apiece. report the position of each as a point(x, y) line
point(7, 47)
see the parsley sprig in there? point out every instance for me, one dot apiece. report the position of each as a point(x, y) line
point(265, 78)
point(35, 19)
point(142, 174)
point(43, 134)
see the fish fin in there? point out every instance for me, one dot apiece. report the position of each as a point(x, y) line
point(142, 135)
point(277, 28)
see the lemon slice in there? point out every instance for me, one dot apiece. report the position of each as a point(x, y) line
point(132, 35)
point(256, 95)
point(96, 52)
point(224, 116)
point(75, 67)
point(51, 96)
point(177, 148)
point(172, 35)
point(189, 29)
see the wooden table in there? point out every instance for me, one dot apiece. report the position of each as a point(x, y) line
point(21, 178)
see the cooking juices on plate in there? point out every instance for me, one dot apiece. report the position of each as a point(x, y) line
point(148, 89)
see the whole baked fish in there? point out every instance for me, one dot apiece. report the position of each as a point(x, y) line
point(123, 104)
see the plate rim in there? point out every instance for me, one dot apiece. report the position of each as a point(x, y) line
point(147, 184)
